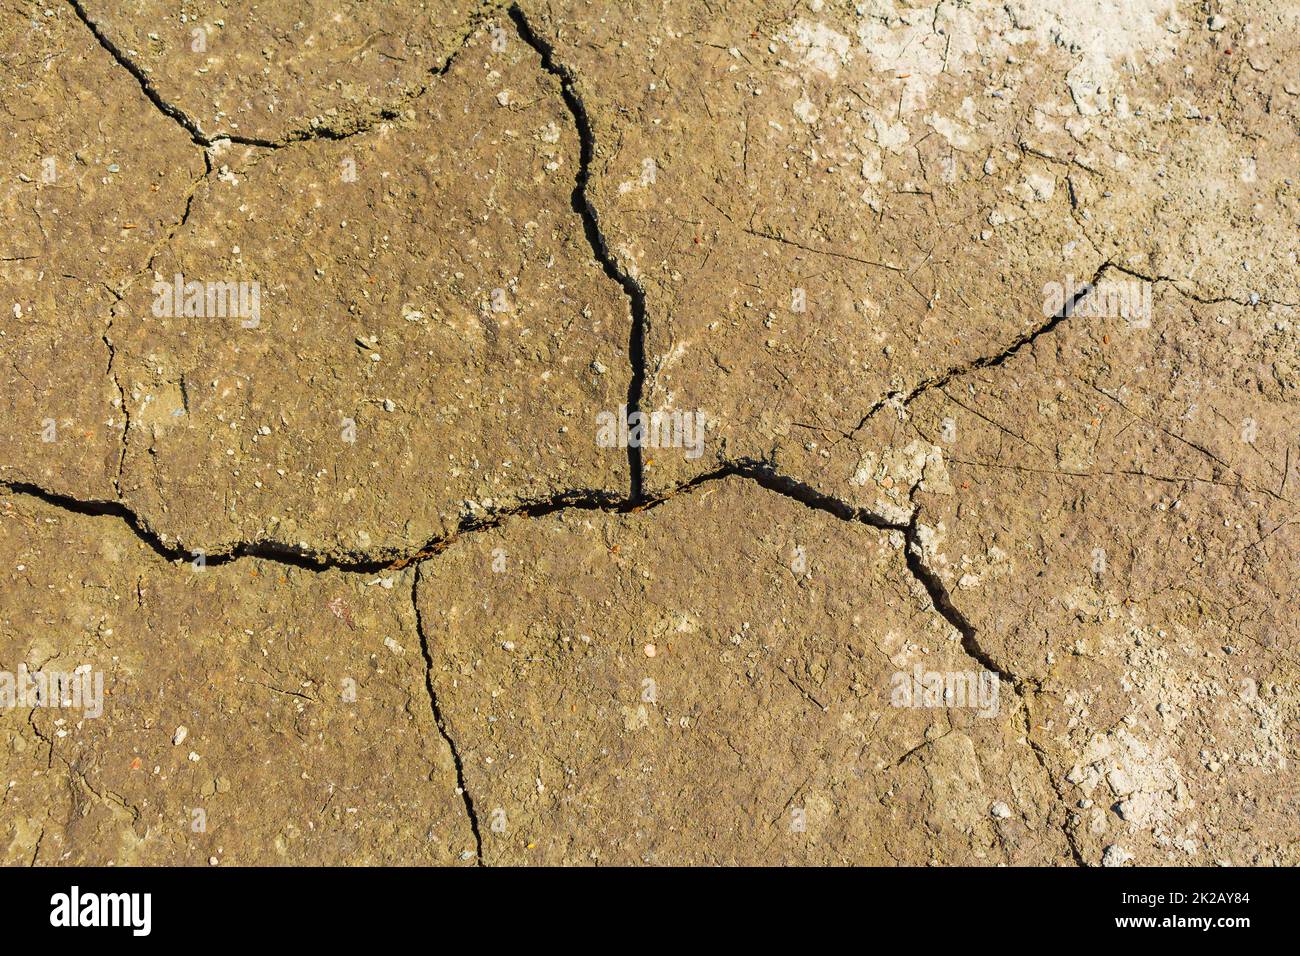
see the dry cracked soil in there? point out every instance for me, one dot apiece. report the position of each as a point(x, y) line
point(707, 432)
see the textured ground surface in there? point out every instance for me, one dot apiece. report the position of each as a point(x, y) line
point(990, 316)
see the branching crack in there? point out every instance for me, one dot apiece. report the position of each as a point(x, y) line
point(758, 472)
point(167, 109)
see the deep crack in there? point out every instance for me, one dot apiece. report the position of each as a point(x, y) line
point(461, 787)
point(306, 558)
point(1200, 297)
point(391, 560)
point(167, 109)
point(591, 227)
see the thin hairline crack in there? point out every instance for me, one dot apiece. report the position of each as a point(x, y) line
point(901, 399)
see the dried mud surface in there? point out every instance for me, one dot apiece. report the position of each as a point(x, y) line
point(990, 316)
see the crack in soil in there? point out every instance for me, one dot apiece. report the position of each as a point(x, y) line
point(944, 605)
point(461, 787)
point(759, 472)
point(582, 205)
point(360, 562)
point(903, 399)
point(119, 294)
point(306, 558)
point(1197, 296)
point(167, 109)
point(298, 135)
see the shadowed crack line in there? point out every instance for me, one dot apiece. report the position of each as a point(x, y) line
point(984, 361)
point(315, 131)
point(390, 560)
point(1040, 757)
point(167, 109)
point(126, 409)
point(441, 724)
point(591, 226)
point(944, 605)
point(306, 558)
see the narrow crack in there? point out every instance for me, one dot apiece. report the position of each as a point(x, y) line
point(298, 135)
point(943, 603)
point(765, 476)
point(126, 410)
point(180, 224)
point(903, 399)
point(582, 205)
point(1200, 297)
point(1040, 756)
point(119, 294)
point(167, 109)
point(461, 786)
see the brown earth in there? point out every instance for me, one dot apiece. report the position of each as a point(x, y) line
point(973, 328)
